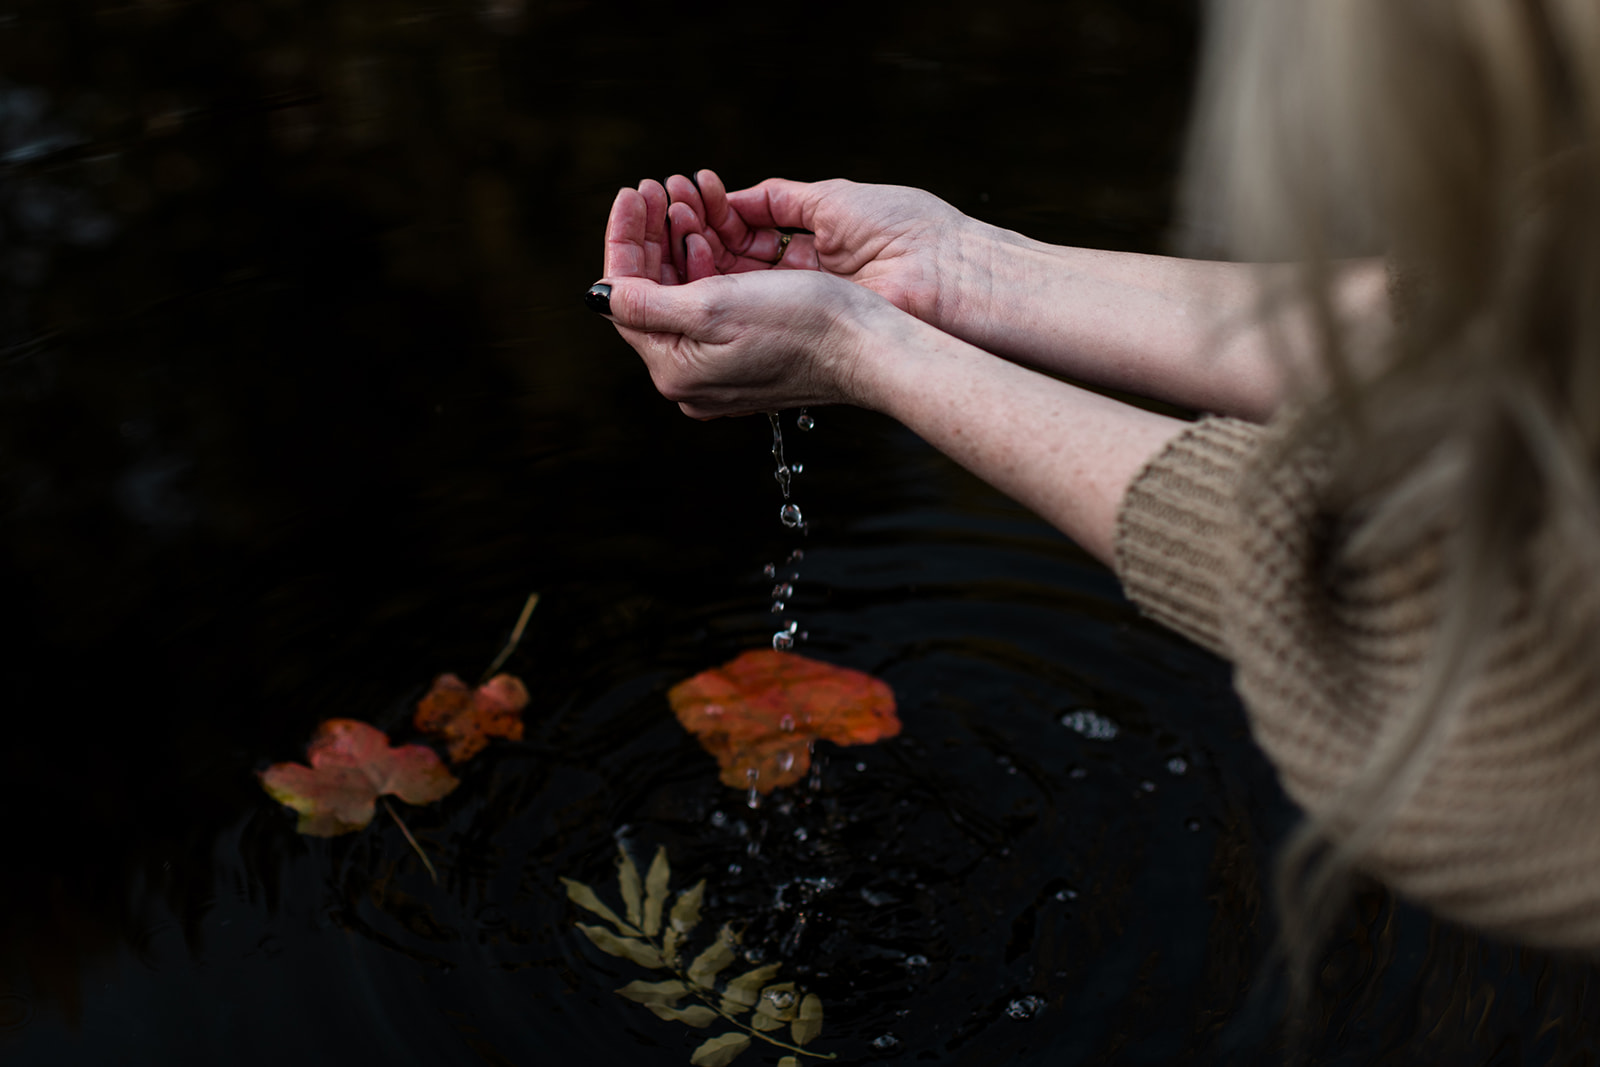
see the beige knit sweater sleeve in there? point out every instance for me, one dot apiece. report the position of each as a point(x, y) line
point(1504, 831)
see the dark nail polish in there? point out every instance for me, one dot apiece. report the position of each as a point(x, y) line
point(598, 298)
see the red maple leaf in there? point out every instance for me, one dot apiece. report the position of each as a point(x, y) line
point(467, 718)
point(761, 711)
point(352, 764)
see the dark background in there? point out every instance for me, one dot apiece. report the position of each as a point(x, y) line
point(297, 404)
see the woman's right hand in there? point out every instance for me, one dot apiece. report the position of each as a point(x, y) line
point(904, 244)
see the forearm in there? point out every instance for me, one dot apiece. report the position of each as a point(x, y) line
point(1189, 332)
point(1065, 452)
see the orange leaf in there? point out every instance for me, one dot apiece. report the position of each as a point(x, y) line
point(352, 764)
point(467, 718)
point(761, 712)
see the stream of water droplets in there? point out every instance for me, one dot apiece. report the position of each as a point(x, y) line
point(789, 514)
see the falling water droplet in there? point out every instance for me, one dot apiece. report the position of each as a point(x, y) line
point(790, 514)
point(783, 640)
point(785, 760)
point(777, 607)
point(796, 556)
point(1177, 765)
point(797, 468)
point(783, 589)
point(786, 724)
point(782, 475)
point(804, 421)
point(782, 472)
point(770, 571)
point(753, 799)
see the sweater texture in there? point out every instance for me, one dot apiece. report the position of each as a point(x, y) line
point(1503, 831)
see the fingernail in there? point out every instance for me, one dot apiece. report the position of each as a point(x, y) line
point(598, 298)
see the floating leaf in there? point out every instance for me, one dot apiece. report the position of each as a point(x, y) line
point(352, 764)
point(761, 711)
point(695, 1015)
point(585, 898)
point(709, 963)
point(686, 911)
point(789, 1061)
point(466, 718)
point(655, 891)
point(765, 1022)
point(628, 881)
point(628, 948)
point(720, 1051)
point(809, 1024)
point(745, 989)
point(653, 992)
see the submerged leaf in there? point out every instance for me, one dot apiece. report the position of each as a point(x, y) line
point(653, 992)
point(686, 911)
point(669, 946)
point(709, 963)
point(585, 898)
point(628, 882)
point(789, 1061)
point(352, 764)
point(809, 1024)
point(744, 989)
point(628, 948)
point(761, 712)
point(466, 718)
point(655, 891)
point(694, 1015)
point(720, 1051)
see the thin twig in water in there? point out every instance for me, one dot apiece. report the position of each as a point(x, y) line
point(516, 637)
point(407, 831)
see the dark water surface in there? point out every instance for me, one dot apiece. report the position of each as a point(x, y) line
point(298, 403)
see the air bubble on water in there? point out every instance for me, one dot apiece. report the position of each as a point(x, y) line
point(1091, 725)
point(804, 421)
point(785, 760)
point(786, 724)
point(770, 571)
point(916, 962)
point(1025, 1007)
point(1177, 765)
point(790, 514)
point(781, 999)
point(885, 1042)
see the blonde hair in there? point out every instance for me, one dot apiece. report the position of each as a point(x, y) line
point(1459, 139)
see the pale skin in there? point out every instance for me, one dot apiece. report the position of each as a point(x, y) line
point(896, 302)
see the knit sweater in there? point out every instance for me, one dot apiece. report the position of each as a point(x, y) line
point(1504, 830)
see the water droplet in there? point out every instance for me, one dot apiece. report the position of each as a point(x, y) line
point(793, 626)
point(885, 1042)
point(796, 556)
point(804, 421)
point(782, 999)
point(719, 819)
point(1177, 765)
point(1148, 786)
point(734, 868)
point(861, 766)
point(1067, 894)
point(770, 571)
point(785, 760)
point(916, 962)
point(786, 724)
point(783, 640)
point(714, 710)
point(754, 798)
point(1193, 826)
point(1091, 725)
point(782, 474)
point(777, 607)
point(790, 514)
point(800, 833)
point(1025, 1007)
point(782, 591)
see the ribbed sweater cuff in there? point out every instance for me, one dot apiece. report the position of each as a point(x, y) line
point(1173, 530)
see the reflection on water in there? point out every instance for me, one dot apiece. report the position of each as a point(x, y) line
point(297, 401)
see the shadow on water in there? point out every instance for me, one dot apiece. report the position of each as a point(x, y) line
point(297, 404)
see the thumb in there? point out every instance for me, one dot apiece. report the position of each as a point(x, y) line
point(643, 305)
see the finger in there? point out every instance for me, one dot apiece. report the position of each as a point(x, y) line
point(655, 228)
point(801, 254)
point(727, 223)
point(625, 255)
point(646, 307)
point(700, 257)
point(779, 202)
point(682, 191)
